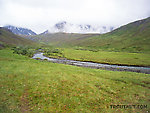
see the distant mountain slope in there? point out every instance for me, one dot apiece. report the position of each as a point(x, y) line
point(131, 37)
point(20, 31)
point(59, 39)
point(134, 37)
point(8, 38)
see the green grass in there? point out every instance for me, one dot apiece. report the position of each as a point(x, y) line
point(120, 58)
point(28, 85)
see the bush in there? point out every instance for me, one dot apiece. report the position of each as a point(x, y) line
point(23, 51)
point(53, 52)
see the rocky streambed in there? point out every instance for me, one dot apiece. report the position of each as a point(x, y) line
point(146, 70)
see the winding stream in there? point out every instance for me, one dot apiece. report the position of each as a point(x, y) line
point(94, 65)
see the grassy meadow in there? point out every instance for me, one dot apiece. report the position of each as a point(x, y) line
point(28, 85)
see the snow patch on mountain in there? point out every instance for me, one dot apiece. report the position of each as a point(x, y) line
point(19, 30)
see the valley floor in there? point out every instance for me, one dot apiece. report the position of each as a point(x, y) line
point(28, 85)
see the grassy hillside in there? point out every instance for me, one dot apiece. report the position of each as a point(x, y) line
point(133, 37)
point(60, 39)
point(28, 85)
point(7, 38)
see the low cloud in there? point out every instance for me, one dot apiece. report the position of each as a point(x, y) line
point(39, 15)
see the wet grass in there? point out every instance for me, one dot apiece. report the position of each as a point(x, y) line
point(28, 85)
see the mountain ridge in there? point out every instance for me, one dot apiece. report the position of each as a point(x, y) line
point(20, 30)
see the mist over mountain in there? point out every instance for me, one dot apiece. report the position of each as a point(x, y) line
point(20, 30)
point(64, 27)
point(79, 28)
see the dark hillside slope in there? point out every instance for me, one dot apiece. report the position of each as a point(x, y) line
point(8, 38)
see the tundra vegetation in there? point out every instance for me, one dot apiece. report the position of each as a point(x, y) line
point(29, 85)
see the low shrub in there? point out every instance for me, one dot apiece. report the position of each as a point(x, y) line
point(23, 51)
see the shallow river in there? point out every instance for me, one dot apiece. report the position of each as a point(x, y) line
point(94, 65)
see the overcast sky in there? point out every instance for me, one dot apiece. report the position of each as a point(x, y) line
point(40, 15)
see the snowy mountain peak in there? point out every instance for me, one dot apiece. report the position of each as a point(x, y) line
point(79, 28)
point(19, 30)
point(60, 25)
